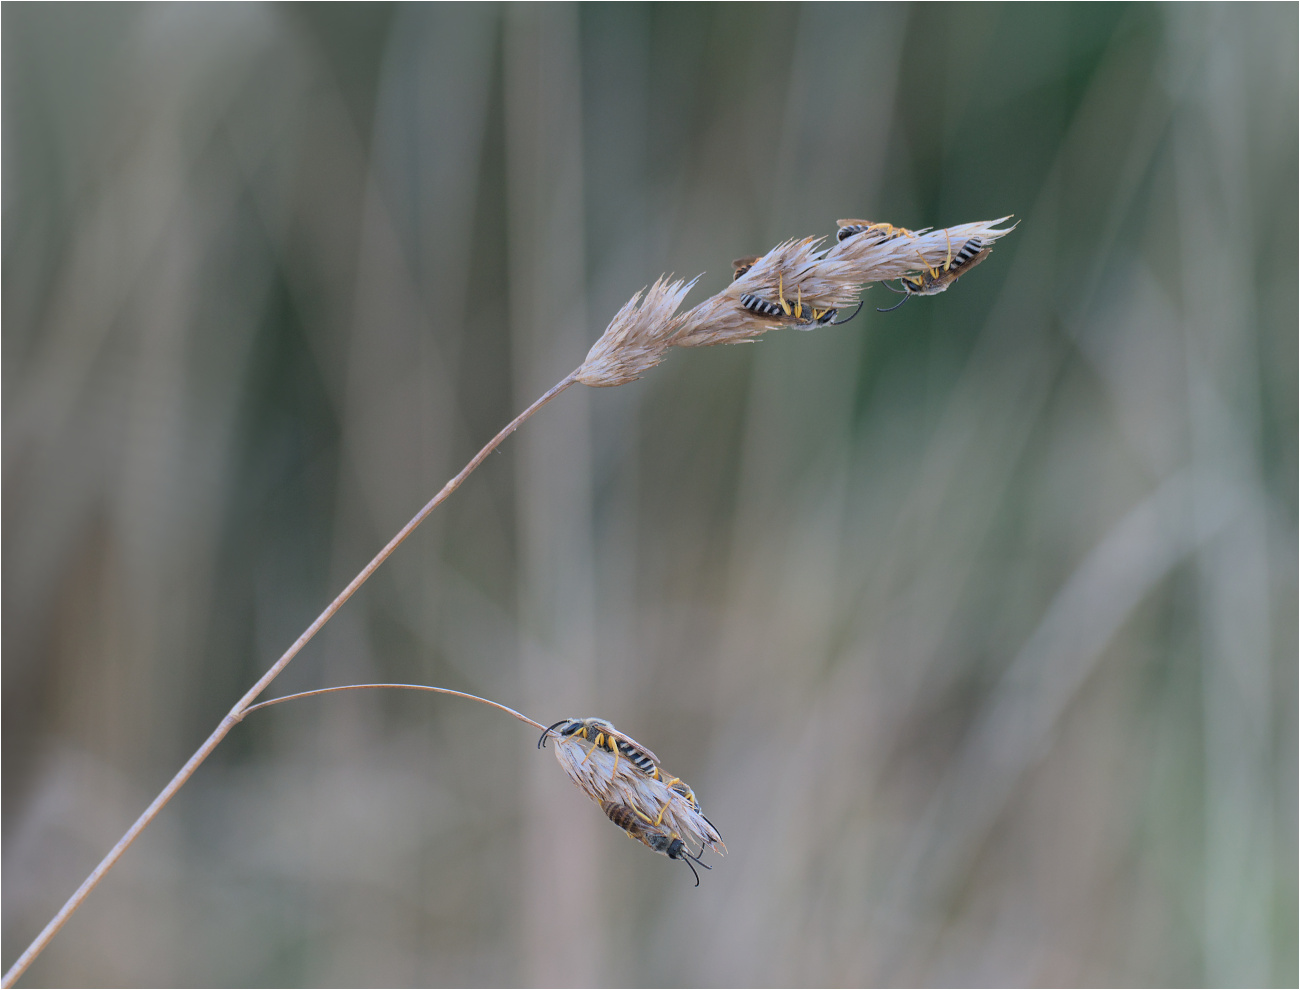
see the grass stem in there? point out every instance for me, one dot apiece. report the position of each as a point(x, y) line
point(245, 704)
point(404, 687)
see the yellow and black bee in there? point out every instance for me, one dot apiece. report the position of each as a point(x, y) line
point(932, 281)
point(803, 317)
point(603, 735)
point(742, 265)
point(882, 231)
point(660, 811)
point(653, 834)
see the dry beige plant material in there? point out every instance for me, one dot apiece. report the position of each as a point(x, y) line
point(633, 790)
point(797, 284)
point(637, 336)
point(805, 280)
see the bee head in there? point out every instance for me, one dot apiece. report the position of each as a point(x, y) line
point(677, 850)
point(573, 726)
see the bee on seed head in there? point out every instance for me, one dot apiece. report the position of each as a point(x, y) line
point(626, 780)
point(881, 231)
point(742, 265)
point(932, 281)
point(603, 735)
point(794, 313)
point(655, 836)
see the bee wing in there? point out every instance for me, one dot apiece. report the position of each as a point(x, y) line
point(632, 749)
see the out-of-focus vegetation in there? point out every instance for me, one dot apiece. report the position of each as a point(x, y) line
point(973, 625)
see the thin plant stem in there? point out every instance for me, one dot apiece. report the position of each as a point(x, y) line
point(404, 687)
point(243, 705)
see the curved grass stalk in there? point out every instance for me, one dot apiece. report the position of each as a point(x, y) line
point(404, 687)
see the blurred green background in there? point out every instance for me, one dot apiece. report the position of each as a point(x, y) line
point(973, 625)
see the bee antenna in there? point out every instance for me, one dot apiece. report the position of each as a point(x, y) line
point(687, 861)
point(541, 743)
point(697, 859)
point(836, 323)
point(906, 296)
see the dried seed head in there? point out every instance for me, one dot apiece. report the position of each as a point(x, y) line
point(789, 286)
point(650, 805)
point(637, 336)
point(797, 284)
point(876, 255)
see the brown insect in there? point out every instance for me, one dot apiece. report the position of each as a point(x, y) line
point(654, 835)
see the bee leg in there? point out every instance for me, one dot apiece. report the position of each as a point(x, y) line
point(947, 264)
point(836, 323)
point(780, 293)
point(934, 272)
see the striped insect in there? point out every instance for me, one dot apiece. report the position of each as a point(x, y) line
point(881, 231)
point(654, 835)
point(602, 734)
point(800, 316)
point(932, 281)
point(625, 780)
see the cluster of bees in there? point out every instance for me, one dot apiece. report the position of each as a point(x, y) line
point(930, 282)
point(654, 831)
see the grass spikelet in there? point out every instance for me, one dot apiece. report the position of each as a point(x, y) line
point(657, 809)
point(798, 284)
point(637, 336)
point(876, 256)
point(791, 271)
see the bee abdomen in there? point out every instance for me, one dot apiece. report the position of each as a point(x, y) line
point(968, 251)
point(844, 233)
point(637, 757)
point(880, 231)
point(624, 816)
point(757, 304)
